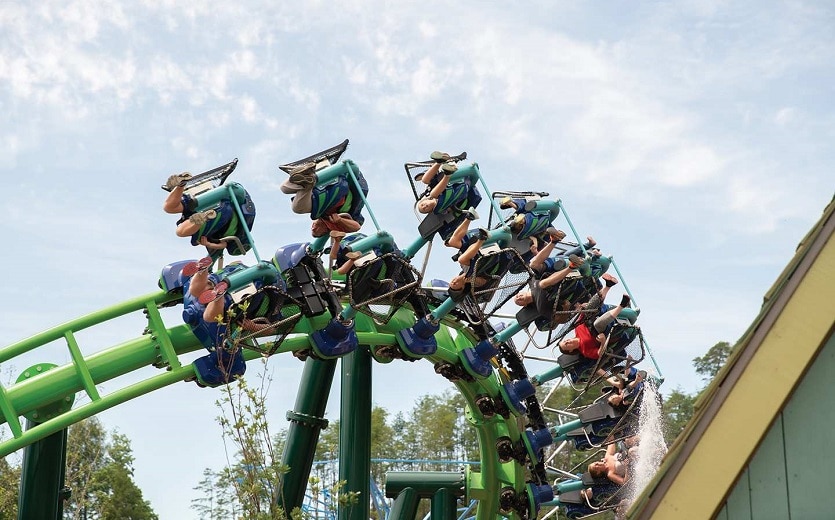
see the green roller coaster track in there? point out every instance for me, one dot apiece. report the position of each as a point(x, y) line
point(45, 396)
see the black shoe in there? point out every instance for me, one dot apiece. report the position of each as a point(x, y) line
point(483, 234)
point(625, 301)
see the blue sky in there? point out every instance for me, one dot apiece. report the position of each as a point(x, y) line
point(691, 139)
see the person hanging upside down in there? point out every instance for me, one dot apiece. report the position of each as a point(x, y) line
point(213, 227)
point(334, 208)
point(610, 467)
point(628, 387)
point(590, 341)
point(477, 268)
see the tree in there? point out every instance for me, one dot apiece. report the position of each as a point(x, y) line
point(709, 365)
point(100, 475)
point(219, 500)
point(256, 470)
point(677, 409)
point(86, 455)
point(9, 479)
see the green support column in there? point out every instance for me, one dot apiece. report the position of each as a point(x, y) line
point(444, 505)
point(405, 505)
point(42, 477)
point(306, 421)
point(355, 432)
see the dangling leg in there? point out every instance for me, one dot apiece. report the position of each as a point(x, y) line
point(608, 317)
point(456, 240)
point(195, 222)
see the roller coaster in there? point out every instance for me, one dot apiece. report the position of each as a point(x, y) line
point(360, 298)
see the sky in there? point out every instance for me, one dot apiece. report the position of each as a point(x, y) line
point(692, 139)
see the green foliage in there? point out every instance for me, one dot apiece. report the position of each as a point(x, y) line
point(677, 409)
point(678, 406)
point(252, 478)
point(709, 365)
point(9, 479)
point(100, 475)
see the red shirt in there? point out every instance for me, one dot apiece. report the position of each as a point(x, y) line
point(589, 346)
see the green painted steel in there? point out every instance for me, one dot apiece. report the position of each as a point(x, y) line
point(162, 345)
point(306, 421)
point(568, 486)
point(425, 483)
point(405, 505)
point(355, 432)
point(42, 478)
point(444, 505)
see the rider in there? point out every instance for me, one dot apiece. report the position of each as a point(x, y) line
point(335, 207)
point(209, 326)
point(590, 341)
point(210, 228)
point(441, 195)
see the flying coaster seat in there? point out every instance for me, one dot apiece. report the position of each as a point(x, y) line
point(625, 345)
point(307, 283)
point(559, 309)
point(227, 225)
point(605, 495)
point(446, 216)
point(337, 194)
point(604, 424)
point(380, 283)
point(490, 283)
point(222, 365)
point(261, 312)
point(233, 230)
point(535, 221)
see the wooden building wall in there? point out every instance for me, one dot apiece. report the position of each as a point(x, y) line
point(791, 475)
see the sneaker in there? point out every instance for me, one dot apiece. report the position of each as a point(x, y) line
point(507, 203)
point(518, 222)
point(353, 255)
point(625, 301)
point(337, 234)
point(470, 214)
point(207, 297)
point(305, 179)
point(483, 234)
point(308, 167)
point(439, 157)
point(610, 280)
point(449, 168)
point(575, 261)
point(555, 234)
point(202, 217)
point(177, 180)
point(192, 268)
